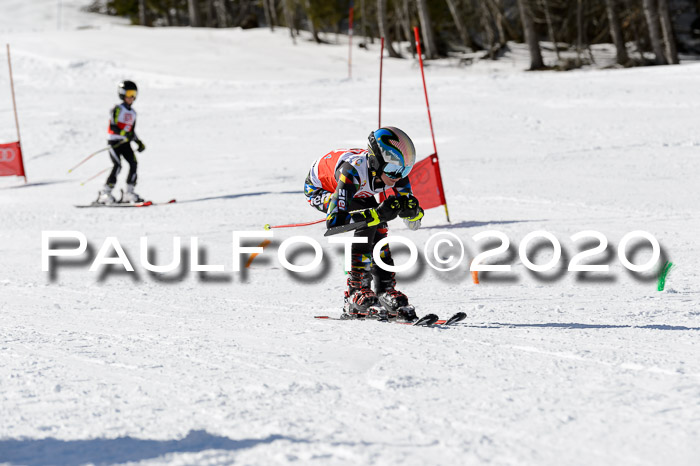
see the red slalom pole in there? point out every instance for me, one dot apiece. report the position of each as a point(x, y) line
point(430, 118)
point(352, 12)
point(14, 106)
point(425, 88)
point(381, 69)
point(293, 225)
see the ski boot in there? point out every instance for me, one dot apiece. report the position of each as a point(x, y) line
point(393, 301)
point(360, 300)
point(105, 196)
point(130, 196)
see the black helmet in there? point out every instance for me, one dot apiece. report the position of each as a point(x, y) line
point(125, 87)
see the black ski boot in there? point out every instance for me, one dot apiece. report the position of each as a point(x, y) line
point(360, 300)
point(394, 302)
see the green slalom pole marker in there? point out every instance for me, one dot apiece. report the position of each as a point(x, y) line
point(662, 275)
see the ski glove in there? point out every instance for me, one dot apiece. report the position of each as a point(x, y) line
point(409, 206)
point(414, 222)
point(389, 208)
point(386, 211)
point(141, 145)
point(411, 212)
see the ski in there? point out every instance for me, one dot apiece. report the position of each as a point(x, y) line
point(457, 317)
point(127, 204)
point(345, 228)
point(427, 320)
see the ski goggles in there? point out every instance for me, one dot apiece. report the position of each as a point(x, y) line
point(131, 93)
point(396, 172)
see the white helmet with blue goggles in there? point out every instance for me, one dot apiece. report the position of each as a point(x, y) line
point(392, 152)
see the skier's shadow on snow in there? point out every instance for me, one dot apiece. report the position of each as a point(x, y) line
point(38, 183)
point(237, 195)
point(475, 223)
point(35, 452)
point(578, 326)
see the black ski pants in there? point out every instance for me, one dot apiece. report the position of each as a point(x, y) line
point(115, 153)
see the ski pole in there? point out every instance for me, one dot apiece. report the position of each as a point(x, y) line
point(292, 225)
point(93, 177)
point(94, 154)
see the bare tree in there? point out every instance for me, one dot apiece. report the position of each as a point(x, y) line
point(652, 15)
point(268, 15)
point(402, 15)
point(311, 20)
point(273, 13)
point(667, 28)
point(289, 18)
point(459, 24)
point(427, 29)
point(616, 32)
point(221, 13)
point(485, 21)
point(142, 12)
point(193, 10)
point(495, 7)
point(536, 61)
point(550, 28)
point(384, 28)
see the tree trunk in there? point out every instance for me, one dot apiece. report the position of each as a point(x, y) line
point(486, 24)
point(289, 18)
point(407, 17)
point(384, 28)
point(579, 31)
point(550, 28)
point(310, 19)
point(616, 33)
point(209, 10)
point(536, 61)
point(221, 14)
point(405, 24)
point(459, 24)
point(142, 12)
point(268, 15)
point(193, 11)
point(273, 14)
point(652, 14)
point(495, 8)
point(363, 28)
point(667, 28)
point(427, 29)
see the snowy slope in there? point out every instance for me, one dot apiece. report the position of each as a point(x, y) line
point(227, 367)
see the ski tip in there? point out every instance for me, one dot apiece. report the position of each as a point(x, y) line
point(426, 320)
point(458, 317)
point(267, 226)
point(171, 201)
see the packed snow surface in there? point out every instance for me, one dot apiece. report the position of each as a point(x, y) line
point(221, 367)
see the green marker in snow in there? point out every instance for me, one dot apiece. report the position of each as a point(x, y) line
point(662, 275)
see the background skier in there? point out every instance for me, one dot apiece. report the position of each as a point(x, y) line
point(343, 184)
point(121, 131)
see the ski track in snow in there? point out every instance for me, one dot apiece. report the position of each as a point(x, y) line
point(223, 368)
